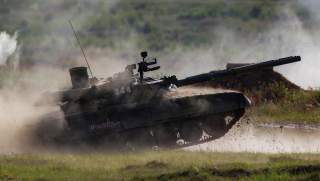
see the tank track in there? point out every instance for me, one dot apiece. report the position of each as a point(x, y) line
point(180, 143)
point(204, 139)
point(120, 143)
point(184, 144)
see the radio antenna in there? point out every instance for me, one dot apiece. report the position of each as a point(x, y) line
point(78, 40)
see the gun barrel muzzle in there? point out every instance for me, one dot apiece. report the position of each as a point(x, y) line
point(266, 64)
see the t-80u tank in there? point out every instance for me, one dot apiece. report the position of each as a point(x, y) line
point(130, 108)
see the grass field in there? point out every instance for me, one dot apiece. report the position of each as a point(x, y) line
point(271, 113)
point(160, 165)
point(301, 107)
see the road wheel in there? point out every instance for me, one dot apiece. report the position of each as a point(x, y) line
point(190, 131)
point(139, 139)
point(165, 135)
point(215, 126)
point(218, 125)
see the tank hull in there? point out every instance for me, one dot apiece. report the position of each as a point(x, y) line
point(168, 115)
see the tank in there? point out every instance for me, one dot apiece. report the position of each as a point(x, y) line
point(130, 108)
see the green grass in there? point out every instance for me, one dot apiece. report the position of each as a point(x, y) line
point(277, 102)
point(160, 165)
point(274, 113)
point(297, 106)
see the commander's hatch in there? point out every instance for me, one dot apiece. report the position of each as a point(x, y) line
point(146, 65)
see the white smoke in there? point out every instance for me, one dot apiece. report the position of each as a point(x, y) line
point(312, 6)
point(8, 45)
point(291, 37)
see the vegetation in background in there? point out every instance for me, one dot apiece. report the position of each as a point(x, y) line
point(297, 106)
point(163, 25)
point(154, 25)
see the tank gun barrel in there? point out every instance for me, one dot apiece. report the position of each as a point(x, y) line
point(237, 70)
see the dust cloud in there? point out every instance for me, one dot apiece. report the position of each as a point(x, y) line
point(19, 93)
point(17, 114)
point(248, 137)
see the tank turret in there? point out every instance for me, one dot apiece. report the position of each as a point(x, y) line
point(127, 79)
